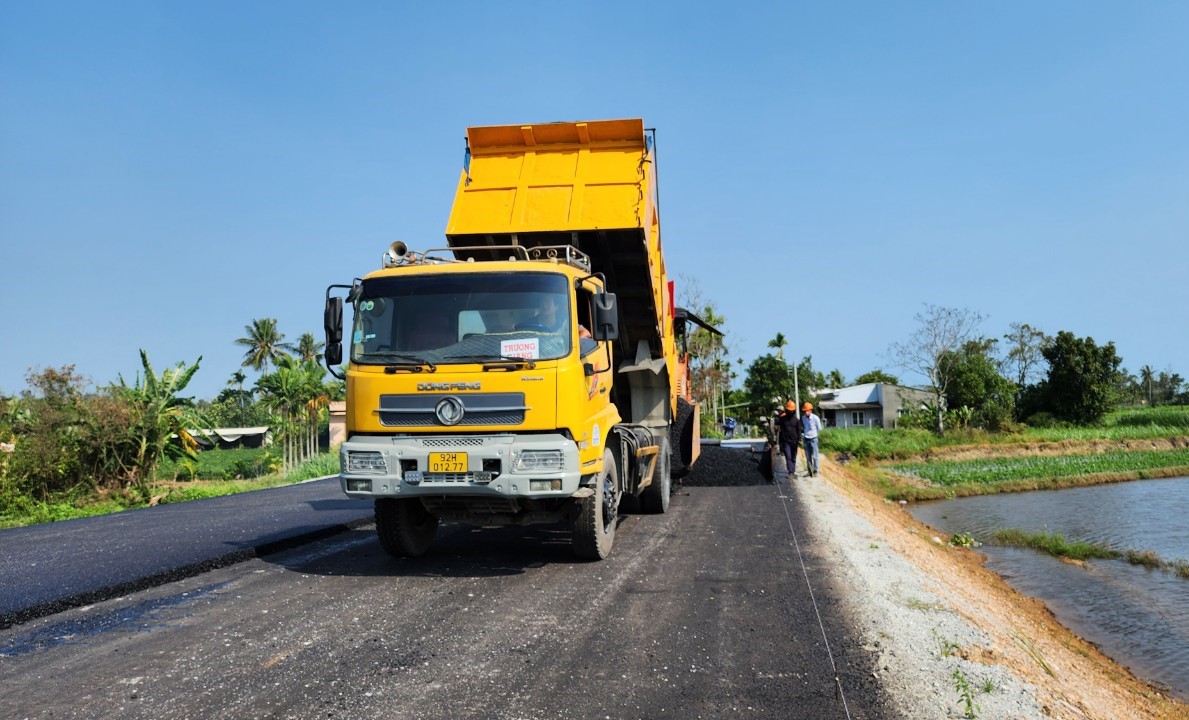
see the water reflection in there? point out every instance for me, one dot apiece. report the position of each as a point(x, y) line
point(1139, 617)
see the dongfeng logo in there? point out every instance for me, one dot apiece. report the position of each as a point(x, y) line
point(433, 386)
point(450, 410)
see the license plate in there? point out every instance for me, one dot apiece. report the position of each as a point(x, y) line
point(448, 462)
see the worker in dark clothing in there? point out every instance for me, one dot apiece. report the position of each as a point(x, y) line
point(789, 425)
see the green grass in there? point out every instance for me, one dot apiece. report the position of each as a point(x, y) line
point(1058, 546)
point(999, 470)
point(1055, 545)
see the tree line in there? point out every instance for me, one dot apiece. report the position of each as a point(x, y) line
point(1026, 376)
point(60, 439)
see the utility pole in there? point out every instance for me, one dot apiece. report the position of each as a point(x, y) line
point(796, 384)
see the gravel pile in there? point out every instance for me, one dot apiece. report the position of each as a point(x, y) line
point(726, 467)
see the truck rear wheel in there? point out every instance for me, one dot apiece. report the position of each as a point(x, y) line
point(655, 497)
point(681, 439)
point(404, 526)
point(594, 529)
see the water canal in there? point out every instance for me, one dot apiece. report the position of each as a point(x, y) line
point(1139, 617)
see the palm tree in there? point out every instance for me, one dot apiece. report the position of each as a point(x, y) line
point(264, 343)
point(1146, 375)
point(296, 393)
point(778, 342)
point(307, 348)
point(834, 379)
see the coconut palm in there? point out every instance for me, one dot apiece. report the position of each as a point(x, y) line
point(778, 342)
point(264, 342)
point(307, 348)
point(1146, 375)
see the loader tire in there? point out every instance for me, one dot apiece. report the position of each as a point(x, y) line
point(404, 526)
point(681, 440)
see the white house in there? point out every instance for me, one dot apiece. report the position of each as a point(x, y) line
point(870, 404)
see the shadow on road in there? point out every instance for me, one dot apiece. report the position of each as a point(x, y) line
point(459, 551)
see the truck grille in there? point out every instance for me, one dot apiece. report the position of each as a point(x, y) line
point(477, 409)
point(452, 442)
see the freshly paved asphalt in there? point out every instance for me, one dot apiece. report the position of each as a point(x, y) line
point(723, 607)
point(47, 568)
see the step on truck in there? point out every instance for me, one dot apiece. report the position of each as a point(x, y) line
point(532, 370)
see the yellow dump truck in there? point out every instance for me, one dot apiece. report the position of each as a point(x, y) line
point(530, 371)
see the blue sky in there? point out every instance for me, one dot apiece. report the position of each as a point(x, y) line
point(170, 171)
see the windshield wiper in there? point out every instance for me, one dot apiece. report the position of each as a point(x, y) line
point(415, 361)
point(493, 357)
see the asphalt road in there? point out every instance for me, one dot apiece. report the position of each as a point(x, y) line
point(48, 568)
point(709, 611)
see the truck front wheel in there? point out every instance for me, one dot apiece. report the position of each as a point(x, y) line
point(404, 526)
point(594, 528)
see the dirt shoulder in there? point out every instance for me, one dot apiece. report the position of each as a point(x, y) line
point(1064, 447)
point(934, 613)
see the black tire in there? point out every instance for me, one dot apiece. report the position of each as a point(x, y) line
point(681, 440)
point(655, 498)
point(594, 528)
point(404, 526)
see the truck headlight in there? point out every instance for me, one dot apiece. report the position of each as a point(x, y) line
point(539, 460)
point(365, 461)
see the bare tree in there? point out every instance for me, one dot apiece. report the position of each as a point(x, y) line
point(1024, 355)
point(933, 347)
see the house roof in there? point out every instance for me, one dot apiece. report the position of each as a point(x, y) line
point(232, 434)
point(865, 394)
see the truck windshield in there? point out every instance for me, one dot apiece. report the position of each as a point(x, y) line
point(462, 318)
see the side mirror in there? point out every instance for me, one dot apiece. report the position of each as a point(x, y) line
point(332, 319)
point(606, 317)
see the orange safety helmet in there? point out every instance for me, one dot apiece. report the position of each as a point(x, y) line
point(807, 406)
point(790, 405)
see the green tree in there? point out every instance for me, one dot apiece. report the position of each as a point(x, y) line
point(940, 332)
point(809, 381)
point(768, 386)
point(834, 379)
point(307, 349)
point(974, 382)
point(1147, 376)
point(264, 342)
point(47, 430)
point(234, 407)
point(163, 422)
point(709, 368)
point(296, 395)
point(1081, 380)
point(1168, 387)
point(877, 376)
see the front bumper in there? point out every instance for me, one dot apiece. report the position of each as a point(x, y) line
point(491, 466)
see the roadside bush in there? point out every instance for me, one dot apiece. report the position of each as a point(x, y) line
point(1046, 420)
